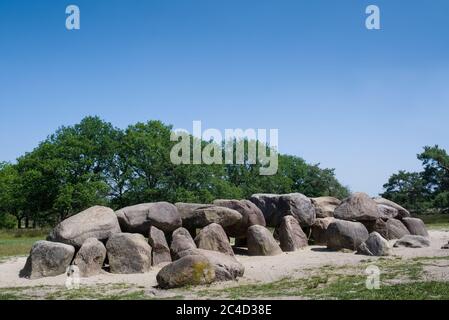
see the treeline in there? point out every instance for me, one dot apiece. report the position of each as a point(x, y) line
point(426, 191)
point(95, 163)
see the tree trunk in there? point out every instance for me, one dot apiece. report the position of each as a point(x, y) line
point(27, 222)
point(19, 223)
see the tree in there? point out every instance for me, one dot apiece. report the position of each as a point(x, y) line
point(12, 201)
point(425, 190)
point(94, 163)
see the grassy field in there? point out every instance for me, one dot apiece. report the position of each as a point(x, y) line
point(400, 279)
point(436, 221)
point(19, 242)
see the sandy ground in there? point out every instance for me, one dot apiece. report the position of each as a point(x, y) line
point(257, 269)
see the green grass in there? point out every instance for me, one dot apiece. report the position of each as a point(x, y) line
point(101, 292)
point(435, 221)
point(19, 242)
point(400, 279)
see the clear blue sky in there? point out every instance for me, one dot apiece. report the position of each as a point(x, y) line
point(363, 102)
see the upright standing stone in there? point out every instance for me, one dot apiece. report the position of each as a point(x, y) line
point(291, 235)
point(159, 246)
point(90, 257)
point(261, 242)
point(128, 253)
point(213, 237)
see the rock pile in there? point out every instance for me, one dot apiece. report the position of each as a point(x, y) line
point(192, 242)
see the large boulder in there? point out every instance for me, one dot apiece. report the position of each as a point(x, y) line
point(299, 206)
point(160, 249)
point(402, 212)
point(358, 207)
point(319, 230)
point(274, 207)
point(139, 218)
point(413, 241)
point(268, 204)
point(416, 226)
point(128, 253)
point(343, 234)
point(261, 242)
point(251, 215)
point(291, 236)
point(387, 212)
point(375, 245)
point(47, 259)
point(181, 240)
point(389, 229)
point(189, 270)
point(96, 222)
point(325, 206)
point(213, 237)
point(90, 258)
point(195, 216)
point(226, 267)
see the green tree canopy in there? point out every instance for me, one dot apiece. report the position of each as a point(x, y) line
point(95, 163)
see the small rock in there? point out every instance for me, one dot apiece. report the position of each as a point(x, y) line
point(413, 241)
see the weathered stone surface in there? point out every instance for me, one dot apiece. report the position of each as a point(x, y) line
point(251, 215)
point(189, 270)
point(260, 242)
point(291, 236)
point(47, 259)
point(213, 237)
point(90, 257)
point(389, 229)
point(181, 240)
point(325, 206)
point(387, 212)
point(160, 249)
point(299, 206)
point(375, 245)
point(319, 230)
point(358, 207)
point(275, 207)
point(416, 226)
point(96, 222)
point(413, 241)
point(268, 204)
point(402, 212)
point(139, 218)
point(446, 246)
point(343, 234)
point(195, 216)
point(226, 267)
point(128, 253)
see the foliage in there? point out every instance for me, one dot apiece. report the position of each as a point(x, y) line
point(95, 163)
point(425, 191)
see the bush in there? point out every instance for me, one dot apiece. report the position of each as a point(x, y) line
point(7, 221)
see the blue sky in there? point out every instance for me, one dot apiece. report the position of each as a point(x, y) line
point(362, 102)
